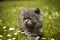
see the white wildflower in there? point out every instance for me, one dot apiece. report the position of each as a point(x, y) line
point(14, 38)
point(11, 29)
point(9, 35)
point(4, 27)
point(50, 17)
point(19, 31)
point(37, 37)
point(15, 33)
point(1, 36)
point(9, 39)
point(43, 38)
point(0, 39)
point(52, 39)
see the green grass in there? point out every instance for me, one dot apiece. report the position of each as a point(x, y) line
point(9, 11)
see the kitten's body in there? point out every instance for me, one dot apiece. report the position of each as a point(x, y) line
point(31, 21)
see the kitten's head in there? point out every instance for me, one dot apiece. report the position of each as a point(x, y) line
point(31, 16)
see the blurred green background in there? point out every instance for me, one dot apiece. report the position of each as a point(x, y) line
point(10, 9)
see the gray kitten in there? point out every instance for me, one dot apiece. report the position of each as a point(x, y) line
point(31, 21)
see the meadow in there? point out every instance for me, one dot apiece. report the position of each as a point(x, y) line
point(10, 10)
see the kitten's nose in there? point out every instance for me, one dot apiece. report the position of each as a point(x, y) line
point(28, 22)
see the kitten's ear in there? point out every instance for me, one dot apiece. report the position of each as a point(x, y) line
point(23, 9)
point(37, 11)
